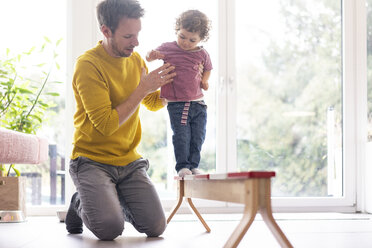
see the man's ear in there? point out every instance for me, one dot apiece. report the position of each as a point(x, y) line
point(106, 31)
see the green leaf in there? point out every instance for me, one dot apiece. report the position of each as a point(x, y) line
point(43, 104)
point(52, 94)
point(17, 172)
point(59, 41)
point(37, 118)
point(47, 39)
point(25, 91)
point(30, 51)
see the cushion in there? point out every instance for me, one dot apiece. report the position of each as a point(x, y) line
point(21, 148)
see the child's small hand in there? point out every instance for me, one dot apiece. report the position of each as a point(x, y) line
point(201, 69)
point(205, 85)
point(153, 54)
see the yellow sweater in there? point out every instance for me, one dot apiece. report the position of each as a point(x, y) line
point(100, 83)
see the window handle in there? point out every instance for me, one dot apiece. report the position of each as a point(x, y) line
point(221, 85)
point(231, 83)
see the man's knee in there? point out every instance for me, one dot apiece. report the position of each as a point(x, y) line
point(157, 228)
point(108, 228)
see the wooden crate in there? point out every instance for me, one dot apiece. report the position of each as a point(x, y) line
point(13, 193)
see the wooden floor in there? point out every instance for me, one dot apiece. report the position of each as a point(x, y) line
point(303, 230)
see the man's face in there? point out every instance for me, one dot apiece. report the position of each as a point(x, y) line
point(125, 38)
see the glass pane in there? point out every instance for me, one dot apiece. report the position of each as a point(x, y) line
point(40, 24)
point(157, 28)
point(289, 91)
point(369, 67)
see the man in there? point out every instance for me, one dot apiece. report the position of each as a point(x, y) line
point(109, 83)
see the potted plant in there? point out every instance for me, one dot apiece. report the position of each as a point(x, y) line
point(25, 100)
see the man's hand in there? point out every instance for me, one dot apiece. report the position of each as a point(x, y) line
point(157, 78)
point(153, 55)
point(148, 83)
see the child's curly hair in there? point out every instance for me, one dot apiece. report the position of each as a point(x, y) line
point(194, 21)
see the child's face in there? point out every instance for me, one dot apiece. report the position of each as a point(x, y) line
point(187, 40)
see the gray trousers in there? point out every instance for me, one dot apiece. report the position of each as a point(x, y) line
point(111, 195)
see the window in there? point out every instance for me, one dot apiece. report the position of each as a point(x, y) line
point(369, 66)
point(282, 94)
point(35, 24)
point(157, 144)
point(289, 94)
point(291, 69)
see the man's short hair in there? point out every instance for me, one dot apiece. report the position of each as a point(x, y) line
point(110, 12)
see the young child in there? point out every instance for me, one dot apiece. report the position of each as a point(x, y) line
point(186, 107)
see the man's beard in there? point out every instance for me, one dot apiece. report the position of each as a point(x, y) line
point(116, 50)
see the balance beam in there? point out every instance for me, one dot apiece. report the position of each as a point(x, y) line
point(251, 188)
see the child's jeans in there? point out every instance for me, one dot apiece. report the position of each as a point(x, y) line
point(188, 122)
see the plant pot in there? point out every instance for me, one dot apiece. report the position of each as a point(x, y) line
point(13, 194)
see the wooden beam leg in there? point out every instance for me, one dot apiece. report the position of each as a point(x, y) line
point(180, 186)
point(275, 229)
point(267, 215)
point(174, 210)
point(193, 208)
point(242, 228)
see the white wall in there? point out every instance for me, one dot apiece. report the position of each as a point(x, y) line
point(82, 35)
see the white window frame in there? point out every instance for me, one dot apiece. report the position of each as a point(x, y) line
point(83, 34)
point(354, 111)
